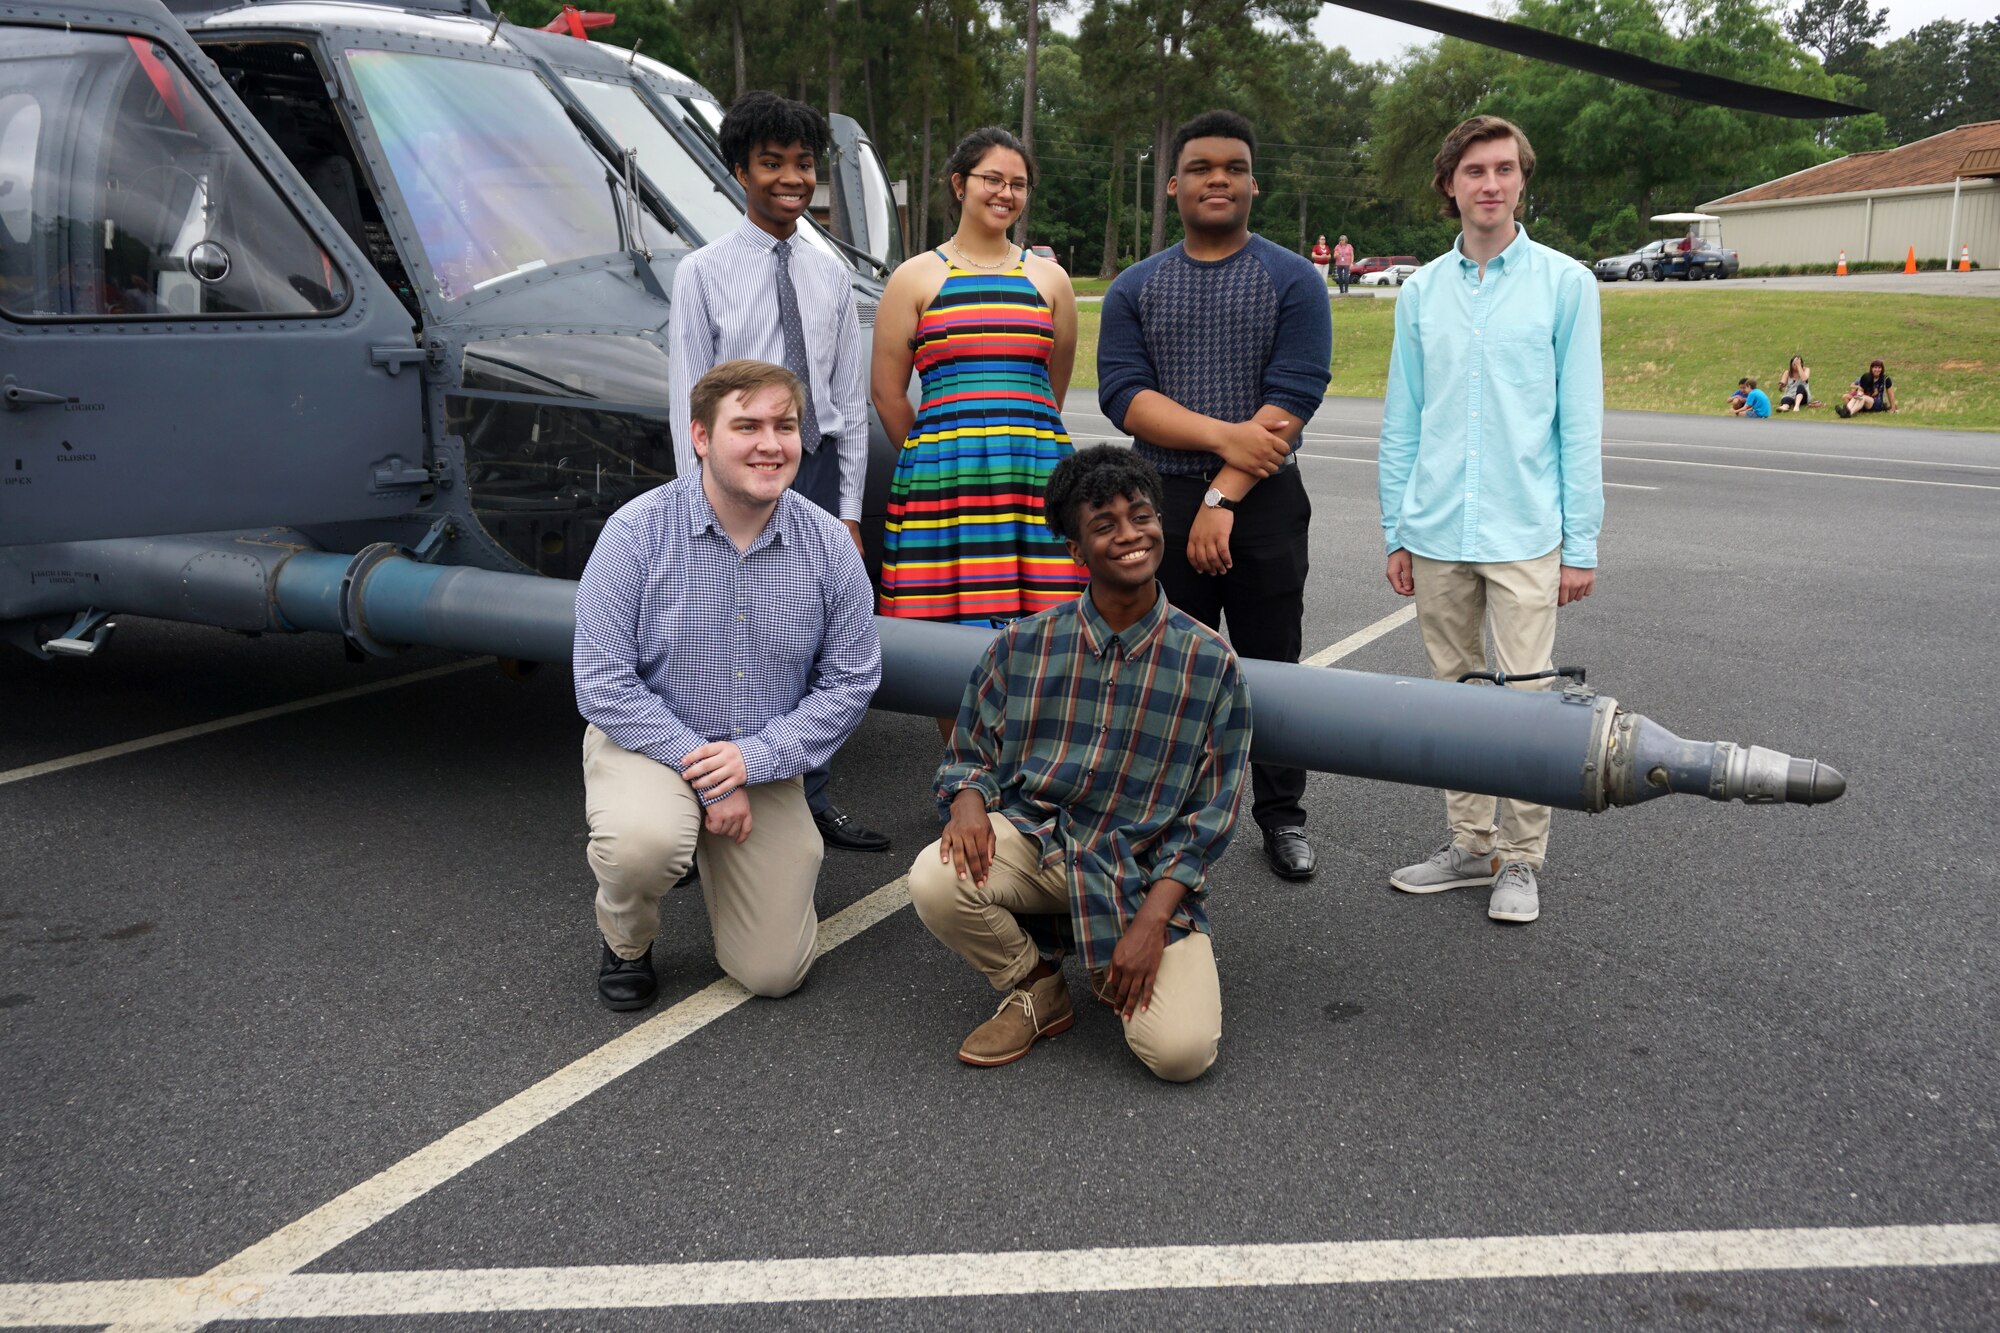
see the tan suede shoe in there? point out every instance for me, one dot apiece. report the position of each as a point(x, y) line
point(1040, 1009)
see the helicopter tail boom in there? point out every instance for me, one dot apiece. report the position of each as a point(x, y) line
point(1573, 747)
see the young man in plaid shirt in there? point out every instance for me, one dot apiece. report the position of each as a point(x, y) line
point(1093, 777)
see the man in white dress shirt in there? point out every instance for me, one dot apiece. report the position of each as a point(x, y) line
point(765, 292)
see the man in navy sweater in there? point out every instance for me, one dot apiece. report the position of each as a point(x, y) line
point(1213, 355)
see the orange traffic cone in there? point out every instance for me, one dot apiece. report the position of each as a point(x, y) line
point(1965, 259)
point(1840, 269)
point(1910, 261)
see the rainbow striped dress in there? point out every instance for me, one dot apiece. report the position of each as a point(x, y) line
point(965, 539)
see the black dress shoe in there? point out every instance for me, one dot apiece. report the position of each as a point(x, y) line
point(840, 830)
point(626, 983)
point(1290, 855)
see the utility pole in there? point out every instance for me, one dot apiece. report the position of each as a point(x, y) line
point(1136, 213)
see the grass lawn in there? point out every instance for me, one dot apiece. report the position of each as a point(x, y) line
point(1673, 351)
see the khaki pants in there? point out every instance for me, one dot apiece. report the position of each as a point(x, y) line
point(1457, 602)
point(645, 828)
point(1176, 1035)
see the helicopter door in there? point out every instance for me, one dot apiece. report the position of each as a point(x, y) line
point(864, 204)
point(187, 342)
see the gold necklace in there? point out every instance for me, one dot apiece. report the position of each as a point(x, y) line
point(969, 262)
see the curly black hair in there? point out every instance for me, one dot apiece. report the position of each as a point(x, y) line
point(1212, 125)
point(761, 117)
point(1095, 476)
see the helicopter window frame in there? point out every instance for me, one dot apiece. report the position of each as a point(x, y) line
point(690, 159)
point(266, 172)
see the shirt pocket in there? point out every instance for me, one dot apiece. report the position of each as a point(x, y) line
point(784, 637)
point(1525, 357)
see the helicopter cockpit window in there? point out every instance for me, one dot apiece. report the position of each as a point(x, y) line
point(123, 194)
point(623, 112)
point(496, 178)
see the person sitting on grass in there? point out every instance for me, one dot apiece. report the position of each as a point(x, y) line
point(1795, 389)
point(1873, 392)
point(1093, 777)
point(1755, 402)
point(1737, 399)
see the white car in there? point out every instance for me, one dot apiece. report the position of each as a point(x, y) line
point(1391, 276)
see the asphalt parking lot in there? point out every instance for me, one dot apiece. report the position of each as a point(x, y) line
point(299, 1025)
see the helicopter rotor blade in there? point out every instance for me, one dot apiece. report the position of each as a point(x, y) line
point(1620, 65)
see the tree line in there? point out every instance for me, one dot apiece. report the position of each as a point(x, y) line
point(1344, 146)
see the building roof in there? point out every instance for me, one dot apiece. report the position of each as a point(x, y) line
point(1972, 150)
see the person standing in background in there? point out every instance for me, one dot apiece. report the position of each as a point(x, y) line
point(1321, 258)
point(1343, 264)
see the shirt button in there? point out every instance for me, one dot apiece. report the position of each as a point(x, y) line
point(739, 675)
point(1475, 453)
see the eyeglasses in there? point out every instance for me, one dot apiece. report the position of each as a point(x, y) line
point(1000, 184)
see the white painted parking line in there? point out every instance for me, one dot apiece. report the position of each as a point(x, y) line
point(1801, 472)
point(1362, 638)
point(1343, 458)
point(238, 720)
point(1807, 453)
point(1019, 1273)
point(292, 1247)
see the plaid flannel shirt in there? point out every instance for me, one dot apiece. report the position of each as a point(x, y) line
point(1121, 755)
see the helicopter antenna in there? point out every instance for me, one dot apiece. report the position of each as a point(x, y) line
point(499, 17)
point(633, 59)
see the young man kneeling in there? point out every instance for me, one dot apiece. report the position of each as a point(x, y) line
point(1093, 777)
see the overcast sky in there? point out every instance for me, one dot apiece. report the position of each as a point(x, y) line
point(1368, 38)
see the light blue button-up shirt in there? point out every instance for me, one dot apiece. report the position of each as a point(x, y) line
point(1493, 427)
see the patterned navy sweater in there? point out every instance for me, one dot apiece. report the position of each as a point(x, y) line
point(1221, 338)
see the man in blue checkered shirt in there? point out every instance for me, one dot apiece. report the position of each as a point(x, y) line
point(725, 643)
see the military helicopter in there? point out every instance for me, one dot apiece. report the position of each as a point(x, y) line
point(348, 316)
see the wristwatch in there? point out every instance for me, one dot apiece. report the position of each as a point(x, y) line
point(1217, 500)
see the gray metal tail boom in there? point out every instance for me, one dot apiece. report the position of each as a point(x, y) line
point(1572, 747)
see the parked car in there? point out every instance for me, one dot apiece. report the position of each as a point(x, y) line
point(1046, 252)
point(1392, 276)
point(1376, 263)
point(1705, 260)
point(1632, 266)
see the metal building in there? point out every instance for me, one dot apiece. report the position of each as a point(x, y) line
point(1936, 194)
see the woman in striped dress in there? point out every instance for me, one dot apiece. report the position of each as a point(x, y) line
point(991, 331)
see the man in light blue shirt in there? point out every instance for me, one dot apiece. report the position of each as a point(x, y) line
point(1491, 473)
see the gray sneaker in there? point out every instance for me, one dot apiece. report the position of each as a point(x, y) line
point(1514, 897)
point(1446, 868)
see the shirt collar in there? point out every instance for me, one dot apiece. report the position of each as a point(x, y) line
point(749, 233)
point(1515, 253)
point(701, 517)
point(1135, 638)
